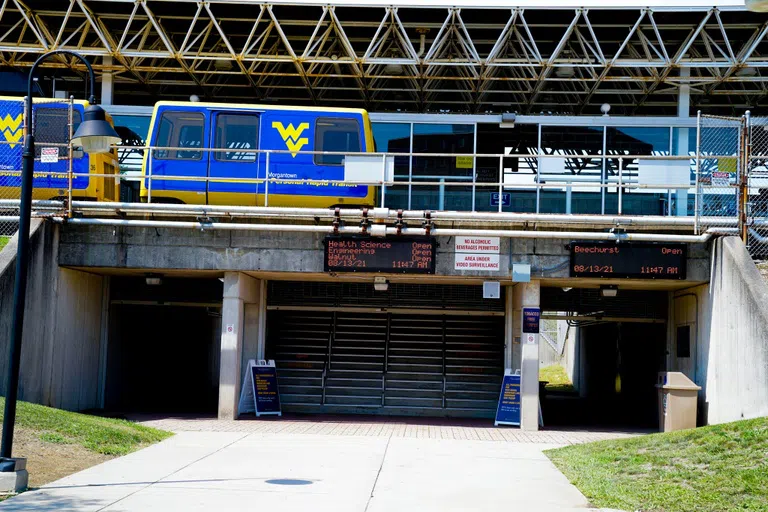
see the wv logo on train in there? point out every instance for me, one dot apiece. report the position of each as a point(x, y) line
point(11, 129)
point(292, 136)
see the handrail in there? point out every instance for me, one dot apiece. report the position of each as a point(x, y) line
point(322, 384)
point(507, 186)
point(531, 156)
point(618, 181)
point(445, 389)
point(383, 388)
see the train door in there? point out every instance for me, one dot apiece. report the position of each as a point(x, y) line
point(180, 138)
point(235, 131)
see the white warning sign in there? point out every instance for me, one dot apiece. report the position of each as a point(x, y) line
point(477, 253)
point(49, 155)
point(468, 261)
point(488, 244)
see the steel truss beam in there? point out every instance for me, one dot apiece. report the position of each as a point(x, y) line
point(402, 58)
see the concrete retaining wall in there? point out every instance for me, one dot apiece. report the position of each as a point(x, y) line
point(729, 336)
point(62, 325)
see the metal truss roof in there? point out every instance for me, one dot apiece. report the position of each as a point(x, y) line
point(401, 58)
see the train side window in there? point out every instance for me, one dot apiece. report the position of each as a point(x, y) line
point(236, 131)
point(336, 134)
point(180, 130)
point(52, 127)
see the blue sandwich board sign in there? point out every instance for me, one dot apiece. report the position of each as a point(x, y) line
point(265, 393)
point(508, 409)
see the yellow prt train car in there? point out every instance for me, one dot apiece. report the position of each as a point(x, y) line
point(51, 179)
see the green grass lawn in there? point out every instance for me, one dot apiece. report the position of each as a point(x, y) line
point(715, 468)
point(556, 378)
point(4, 241)
point(100, 435)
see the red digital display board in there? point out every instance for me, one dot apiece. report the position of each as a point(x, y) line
point(628, 260)
point(391, 255)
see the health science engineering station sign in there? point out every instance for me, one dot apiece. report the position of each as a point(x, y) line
point(477, 253)
point(369, 254)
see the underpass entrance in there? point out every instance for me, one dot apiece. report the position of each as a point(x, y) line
point(612, 349)
point(622, 361)
point(164, 346)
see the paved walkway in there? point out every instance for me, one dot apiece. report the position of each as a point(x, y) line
point(286, 465)
point(421, 428)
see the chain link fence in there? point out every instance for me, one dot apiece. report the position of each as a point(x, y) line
point(757, 189)
point(11, 144)
point(54, 123)
point(720, 142)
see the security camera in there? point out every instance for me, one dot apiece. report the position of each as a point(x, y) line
point(605, 108)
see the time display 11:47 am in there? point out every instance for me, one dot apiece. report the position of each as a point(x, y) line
point(660, 270)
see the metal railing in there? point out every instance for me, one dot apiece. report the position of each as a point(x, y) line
point(628, 180)
point(684, 192)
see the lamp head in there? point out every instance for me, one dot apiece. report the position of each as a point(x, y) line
point(95, 134)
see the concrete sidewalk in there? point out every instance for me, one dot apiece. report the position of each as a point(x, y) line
point(233, 471)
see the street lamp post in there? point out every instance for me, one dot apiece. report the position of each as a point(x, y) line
point(95, 135)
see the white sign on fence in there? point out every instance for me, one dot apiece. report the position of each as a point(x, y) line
point(49, 155)
point(721, 179)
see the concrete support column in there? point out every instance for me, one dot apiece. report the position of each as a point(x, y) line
point(107, 83)
point(240, 290)
point(255, 327)
point(683, 110)
point(511, 342)
point(527, 295)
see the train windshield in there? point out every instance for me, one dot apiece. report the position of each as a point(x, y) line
point(341, 135)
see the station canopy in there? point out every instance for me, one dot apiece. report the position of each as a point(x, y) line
point(556, 57)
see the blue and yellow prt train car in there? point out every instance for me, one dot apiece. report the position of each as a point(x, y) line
point(51, 179)
point(190, 129)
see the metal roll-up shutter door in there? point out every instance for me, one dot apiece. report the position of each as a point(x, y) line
point(298, 342)
point(474, 363)
point(355, 373)
point(338, 360)
point(414, 377)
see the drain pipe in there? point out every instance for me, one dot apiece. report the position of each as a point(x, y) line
point(422, 41)
point(381, 230)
